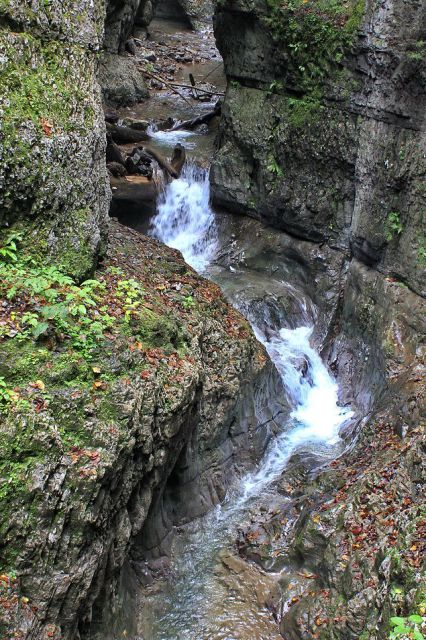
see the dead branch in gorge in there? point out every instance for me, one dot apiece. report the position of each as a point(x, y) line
point(124, 135)
point(196, 122)
point(172, 86)
point(168, 84)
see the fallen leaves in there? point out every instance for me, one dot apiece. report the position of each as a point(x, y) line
point(38, 384)
point(46, 126)
point(78, 453)
point(99, 384)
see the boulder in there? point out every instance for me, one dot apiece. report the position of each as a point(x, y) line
point(121, 81)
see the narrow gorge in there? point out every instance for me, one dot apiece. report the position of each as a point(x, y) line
point(212, 261)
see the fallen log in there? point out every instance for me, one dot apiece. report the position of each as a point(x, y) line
point(124, 135)
point(113, 152)
point(162, 161)
point(195, 122)
point(116, 169)
point(200, 89)
point(168, 84)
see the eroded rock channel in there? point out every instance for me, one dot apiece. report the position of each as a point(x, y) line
point(227, 442)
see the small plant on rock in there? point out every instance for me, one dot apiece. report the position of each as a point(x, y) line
point(394, 226)
point(8, 250)
point(6, 395)
point(274, 167)
point(407, 628)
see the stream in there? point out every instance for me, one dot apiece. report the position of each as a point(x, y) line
point(197, 602)
point(210, 593)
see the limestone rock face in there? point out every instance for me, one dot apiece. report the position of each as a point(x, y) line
point(323, 133)
point(120, 18)
point(53, 185)
point(150, 437)
point(195, 12)
point(121, 81)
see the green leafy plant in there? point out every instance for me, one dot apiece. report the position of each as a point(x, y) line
point(394, 226)
point(7, 395)
point(55, 305)
point(274, 167)
point(132, 294)
point(275, 87)
point(188, 302)
point(407, 627)
point(315, 34)
point(8, 250)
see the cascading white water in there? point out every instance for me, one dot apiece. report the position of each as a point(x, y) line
point(316, 417)
point(185, 221)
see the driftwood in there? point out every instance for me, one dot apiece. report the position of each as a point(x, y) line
point(116, 169)
point(178, 158)
point(124, 135)
point(200, 89)
point(172, 86)
point(162, 161)
point(195, 122)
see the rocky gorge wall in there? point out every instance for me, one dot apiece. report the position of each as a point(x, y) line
point(323, 129)
point(53, 187)
point(105, 449)
point(122, 396)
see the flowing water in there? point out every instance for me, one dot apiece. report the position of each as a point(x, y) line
point(185, 220)
point(190, 606)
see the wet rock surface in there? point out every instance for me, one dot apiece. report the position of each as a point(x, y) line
point(336, 154)
point(113, 460)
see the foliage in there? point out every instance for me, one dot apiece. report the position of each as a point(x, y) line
point(188, 302)
point(274, 167)
point(54, 305)
point(394, 225)
point(315, 34)
point(9, 247)
point(302, 112)
point(407, 627)
point(275, 87)
point(131, 293)
point(6, 394)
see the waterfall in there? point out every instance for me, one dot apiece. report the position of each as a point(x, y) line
point(185, 221)
point(184, 218)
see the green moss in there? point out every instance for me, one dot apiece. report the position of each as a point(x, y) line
point(44, 81)
point(47, 106)
point(76, 255)
point(157, 330)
